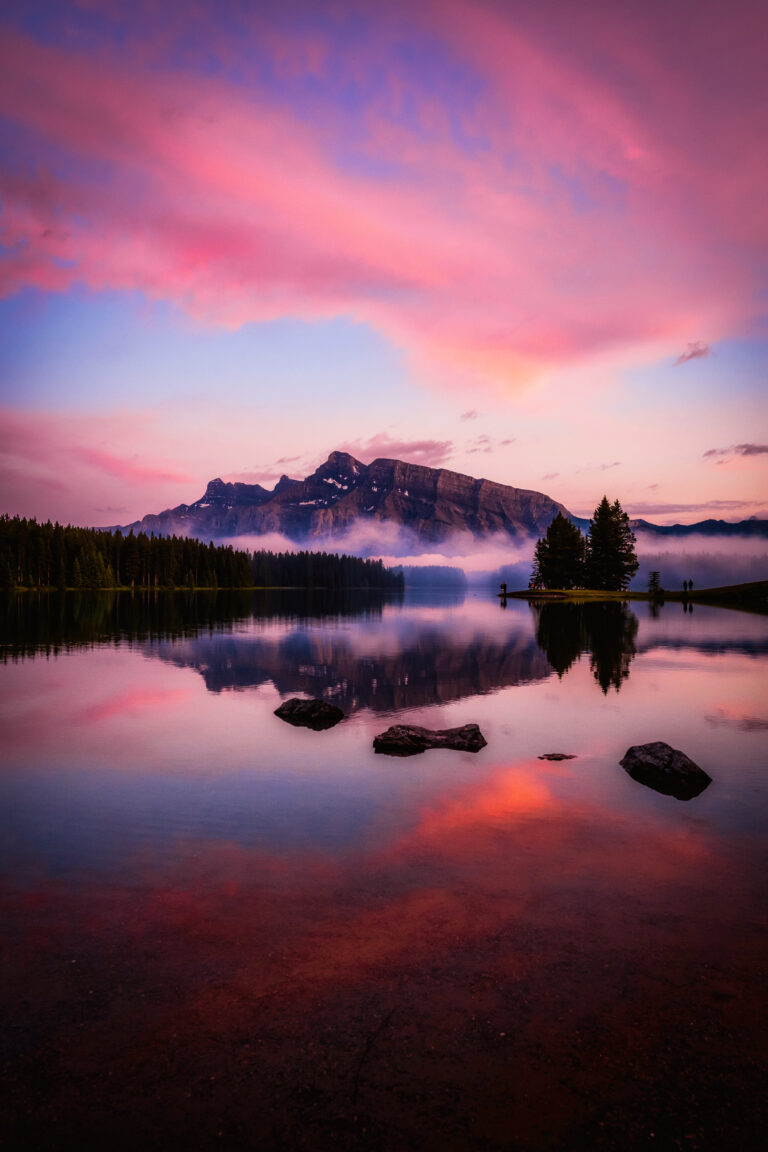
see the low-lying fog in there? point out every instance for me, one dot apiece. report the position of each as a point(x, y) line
point(707, 561)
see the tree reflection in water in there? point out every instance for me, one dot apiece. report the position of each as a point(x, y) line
point(605, 629)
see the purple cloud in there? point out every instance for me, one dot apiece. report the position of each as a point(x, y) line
point(432, 453)
point(739, 450)
point(643, 509)
point(696, 351)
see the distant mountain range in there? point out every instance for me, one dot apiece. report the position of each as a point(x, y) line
point(343, 493)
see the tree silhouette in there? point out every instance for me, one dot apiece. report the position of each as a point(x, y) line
point(36, 555)
point(655, 590)
point(611, 559)
point(558, 559)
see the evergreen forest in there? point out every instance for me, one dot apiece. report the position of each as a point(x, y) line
point(34, 555)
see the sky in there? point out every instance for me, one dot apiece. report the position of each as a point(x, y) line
point(520, 241)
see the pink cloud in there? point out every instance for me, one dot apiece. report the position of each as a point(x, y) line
point(740, 450)
point(132, 470)
point(696, 351)
point(432, 453)
point(583, 215)
point(715, 508)
point(48, 463)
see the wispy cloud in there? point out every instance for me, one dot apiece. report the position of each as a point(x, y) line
point(134, 470)
point(50, 463)
point(432, 453)
point(696, 351)
point(599, 467)
point(739, 450)
point(482, 443)
point(472, 414)
point(641, 508)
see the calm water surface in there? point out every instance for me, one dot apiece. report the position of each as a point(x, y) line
point(220, 930)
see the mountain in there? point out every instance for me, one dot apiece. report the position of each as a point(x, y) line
point(432, 502)
point(344, 493)
point(751, 527)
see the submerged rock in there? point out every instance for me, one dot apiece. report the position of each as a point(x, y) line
point(665, 769)
point(558, 756)
point(409, 740)
point(316, 714)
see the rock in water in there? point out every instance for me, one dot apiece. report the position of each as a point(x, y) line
point(665, 769)
point(316, 714)
point(408, 740)
point(558, 756)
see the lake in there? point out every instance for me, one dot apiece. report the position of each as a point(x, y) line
point(220, 930)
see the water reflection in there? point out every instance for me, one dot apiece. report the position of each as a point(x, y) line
point(365, 650)
point(606, 630)
point(428, 662)
point(51, 622)
point(217, 925)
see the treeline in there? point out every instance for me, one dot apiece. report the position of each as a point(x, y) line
point(321, 570)
point(49, 555)
point(433, 576)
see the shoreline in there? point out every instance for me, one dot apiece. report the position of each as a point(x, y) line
point(753, 592)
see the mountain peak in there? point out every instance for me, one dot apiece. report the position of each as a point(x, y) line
point(343, 460)
point(284, 482)
point(430, 503)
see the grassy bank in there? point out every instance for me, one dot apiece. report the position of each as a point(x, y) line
point(753, 595)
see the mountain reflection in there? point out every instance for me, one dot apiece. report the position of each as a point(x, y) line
point(607, 630)
point(365, 649)
point(424, 665)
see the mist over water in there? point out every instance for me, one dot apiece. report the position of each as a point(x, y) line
point(709, 562)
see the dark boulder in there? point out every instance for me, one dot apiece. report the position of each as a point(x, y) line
point(558, 756)
point(665, 769)
point(316, 714)
point(408, 740)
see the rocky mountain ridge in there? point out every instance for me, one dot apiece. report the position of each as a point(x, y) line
point(433, 503)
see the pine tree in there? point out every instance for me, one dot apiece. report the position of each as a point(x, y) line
point(611, 558)
point(559, 556)
point(655, 590)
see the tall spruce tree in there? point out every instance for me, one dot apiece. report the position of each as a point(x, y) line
point(611, 558)
point(558, 559)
